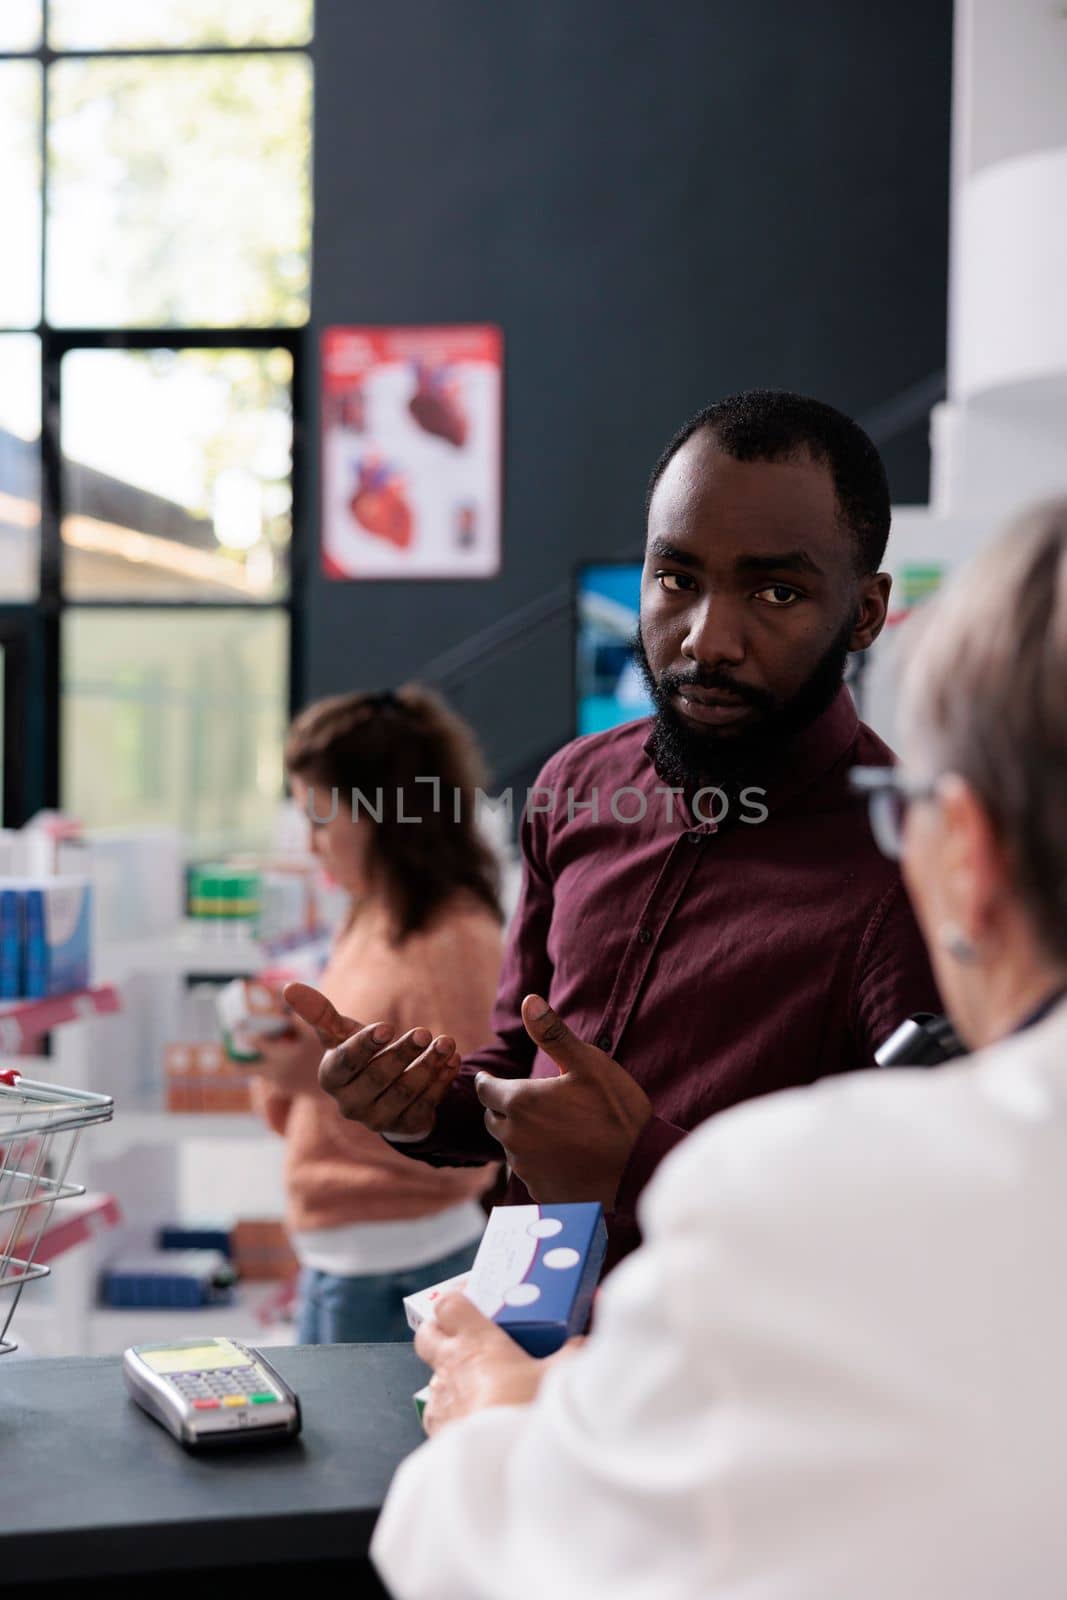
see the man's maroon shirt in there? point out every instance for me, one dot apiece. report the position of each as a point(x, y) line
point(715, 962)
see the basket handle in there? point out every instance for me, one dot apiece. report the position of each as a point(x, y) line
point(10, 1077)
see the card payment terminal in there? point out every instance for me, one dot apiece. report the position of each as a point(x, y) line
point(211, 1392)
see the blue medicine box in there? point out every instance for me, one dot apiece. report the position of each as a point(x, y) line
point(45, 936)
point(536, 1271)
point(58, 937)
point(169, 1278)
point(10, 944)
point(202, 1236)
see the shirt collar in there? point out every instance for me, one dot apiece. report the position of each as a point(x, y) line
point(1039, 1013)
point(811, 753)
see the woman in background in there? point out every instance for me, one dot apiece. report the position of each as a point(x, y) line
point(422, 947)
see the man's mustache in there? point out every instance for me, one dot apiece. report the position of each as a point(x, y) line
point(709, 679)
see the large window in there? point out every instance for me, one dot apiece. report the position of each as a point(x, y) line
point(155, 166)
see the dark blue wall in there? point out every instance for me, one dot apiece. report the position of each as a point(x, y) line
point(660, 203)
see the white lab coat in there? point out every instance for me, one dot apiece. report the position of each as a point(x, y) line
point(836, 1370)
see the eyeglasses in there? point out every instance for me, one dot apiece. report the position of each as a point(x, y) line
point(889, 793)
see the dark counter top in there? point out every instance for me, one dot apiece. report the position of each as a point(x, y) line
point(93, 1487)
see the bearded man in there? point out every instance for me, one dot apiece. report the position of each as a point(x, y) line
point(703, 904)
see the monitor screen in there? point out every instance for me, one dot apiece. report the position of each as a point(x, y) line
point(609, 687)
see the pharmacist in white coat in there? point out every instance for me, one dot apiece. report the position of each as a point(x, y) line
point(837, 1368)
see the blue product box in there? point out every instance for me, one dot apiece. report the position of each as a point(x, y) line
point(537, 1269)
point(10, 944)
point(57, 936)
point(169, 1278)
point(205, 1237)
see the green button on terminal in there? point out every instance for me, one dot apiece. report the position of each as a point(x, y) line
point(263, 1399)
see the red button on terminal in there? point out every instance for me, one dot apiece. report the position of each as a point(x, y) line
point(205, 1405)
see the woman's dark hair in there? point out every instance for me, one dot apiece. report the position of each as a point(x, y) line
point(381, 753)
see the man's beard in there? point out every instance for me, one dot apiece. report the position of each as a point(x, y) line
point(689, 757)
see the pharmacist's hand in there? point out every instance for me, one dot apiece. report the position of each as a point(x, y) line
point(390, 1085)
point(476, 1364)
point(290, 1061)
point(567, 1138)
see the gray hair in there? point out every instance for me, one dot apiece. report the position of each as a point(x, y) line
point(984, 695)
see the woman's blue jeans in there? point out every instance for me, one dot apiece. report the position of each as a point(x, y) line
point(367, 1310)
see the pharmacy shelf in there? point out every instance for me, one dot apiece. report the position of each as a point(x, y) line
point(24, 1021)
point(51, 1318)
point(247, 1318)
point(143, 1145)
point(75, 1222)
point(128, 1128)
point(234, 955)
point(40, 1328)
point(199, 948)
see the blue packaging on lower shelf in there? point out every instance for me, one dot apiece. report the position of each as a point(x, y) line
point(169, 1278)
point(177, 1236)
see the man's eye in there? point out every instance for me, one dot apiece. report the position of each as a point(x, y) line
point(675, 582)
point(779, 595)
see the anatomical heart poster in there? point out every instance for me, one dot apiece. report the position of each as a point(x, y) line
point(411, 452)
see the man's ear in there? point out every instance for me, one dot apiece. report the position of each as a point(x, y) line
point(871, 611)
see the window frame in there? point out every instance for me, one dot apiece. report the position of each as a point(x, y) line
point(39, 679)
point(20, 641)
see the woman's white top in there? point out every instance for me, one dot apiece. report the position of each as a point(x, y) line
point(836, 1370)
point(399, 1245)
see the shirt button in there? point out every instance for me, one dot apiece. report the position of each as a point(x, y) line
point(694, 838)
point(604, 1042)
point(644, 935)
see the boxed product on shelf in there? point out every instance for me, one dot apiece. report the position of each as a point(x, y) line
point(168, 1278)
point(51, 919)
point(10, 944)
point(218, 892)
point(179, 1067)
point(200, 1077)
point(535, 1273)
point(287, 909)
point(282, 901)
point(261, 1250)
point(137, 876)
point(193, 1236)
point(58, 936)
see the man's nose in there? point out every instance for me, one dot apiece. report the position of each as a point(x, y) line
point(716, 634)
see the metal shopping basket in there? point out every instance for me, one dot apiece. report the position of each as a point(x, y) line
point(39, 1128)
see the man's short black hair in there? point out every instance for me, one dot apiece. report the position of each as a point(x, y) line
point(774, 425)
